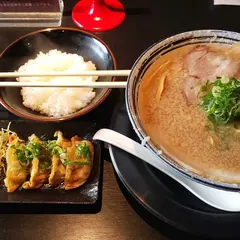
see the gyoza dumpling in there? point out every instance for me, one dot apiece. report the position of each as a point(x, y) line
point(41, 163)
point(17, 165)
point(55, 148)
point(78, 163)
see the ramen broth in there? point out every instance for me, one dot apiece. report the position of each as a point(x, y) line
point(179, 126)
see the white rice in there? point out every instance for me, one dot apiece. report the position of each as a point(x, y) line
point(57, 101)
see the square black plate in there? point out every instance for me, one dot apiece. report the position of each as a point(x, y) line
point(85, 199)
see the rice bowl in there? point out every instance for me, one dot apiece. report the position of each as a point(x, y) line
point(69, 40)
point(57, 102)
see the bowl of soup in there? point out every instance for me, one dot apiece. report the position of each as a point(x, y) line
point(183, 100)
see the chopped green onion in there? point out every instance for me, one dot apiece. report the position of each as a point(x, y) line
point(83, 150)
point(221, 100)
point(53, 148)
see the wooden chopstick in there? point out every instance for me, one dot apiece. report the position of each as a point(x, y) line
point(113, 73)
point(66, 84)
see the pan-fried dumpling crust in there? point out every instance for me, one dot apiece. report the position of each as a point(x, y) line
point(57, 175)
point(62, 142)
point(38, 176)
point(76, 174)
point(40, 168)
point(52, 162)
point(16, 173)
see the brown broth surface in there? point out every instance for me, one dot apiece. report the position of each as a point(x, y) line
point(182, 130)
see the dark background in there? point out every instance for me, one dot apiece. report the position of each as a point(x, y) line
point(147, 21)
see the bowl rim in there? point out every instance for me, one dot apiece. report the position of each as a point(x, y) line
point(136, 123)
point(76, 114)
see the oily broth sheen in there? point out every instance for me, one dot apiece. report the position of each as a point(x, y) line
point(181, 129)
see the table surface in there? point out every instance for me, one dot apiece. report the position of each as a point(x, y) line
point(146, 22)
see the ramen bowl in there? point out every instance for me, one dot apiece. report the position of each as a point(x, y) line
point(139, 72)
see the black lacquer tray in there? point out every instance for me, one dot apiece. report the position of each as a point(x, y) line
point(164, 198)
